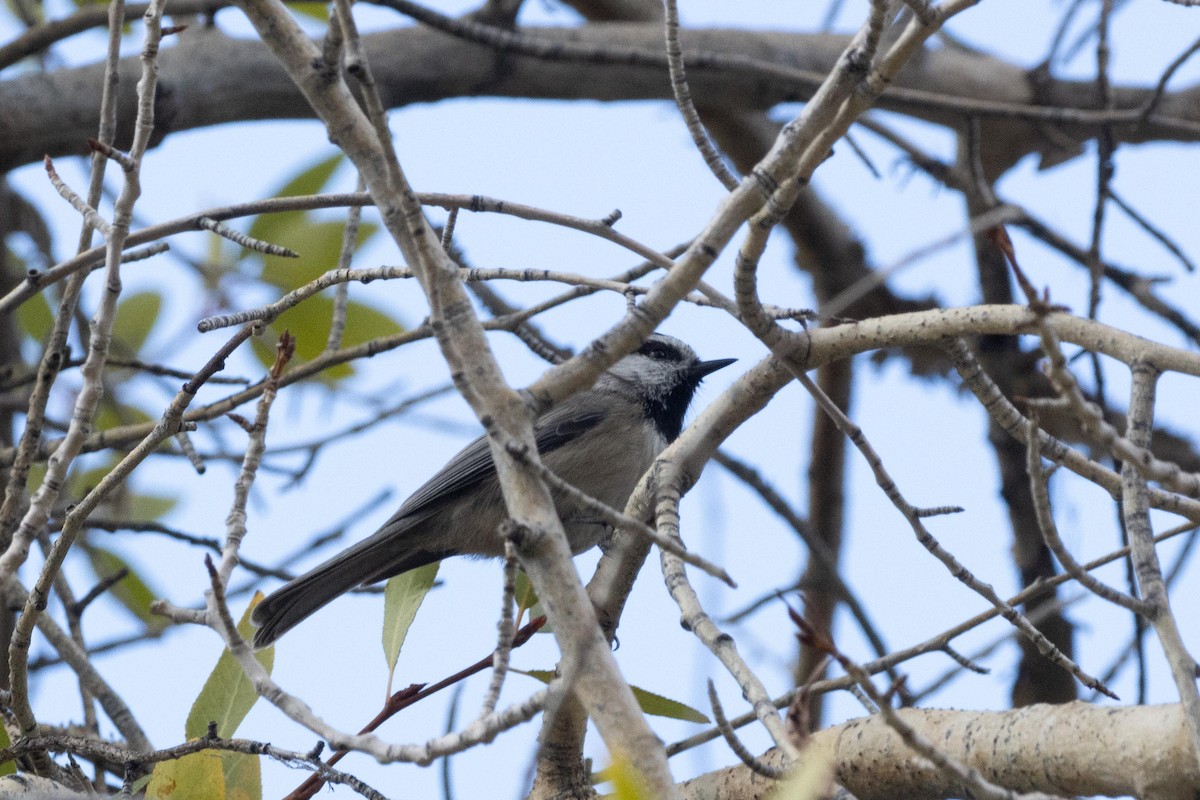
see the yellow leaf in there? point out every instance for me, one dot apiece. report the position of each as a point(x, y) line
point(627, 782)
point(810, 780)
point(198, 776)
point(243, 776)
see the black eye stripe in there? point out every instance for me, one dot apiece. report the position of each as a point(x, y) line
point(658, 350)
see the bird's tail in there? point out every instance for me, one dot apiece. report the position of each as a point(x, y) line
point(365, 563)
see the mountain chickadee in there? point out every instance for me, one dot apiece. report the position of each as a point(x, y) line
point(601, 441)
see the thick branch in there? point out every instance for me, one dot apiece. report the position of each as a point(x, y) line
point(211, 79)
point(1072, 749)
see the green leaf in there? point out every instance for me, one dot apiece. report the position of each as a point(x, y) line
point(112, 415)
point(364, 323)
point(81, 482)
point(123, 501)
point(8, 767)
point(525, 596)
point(401, 598)
point(318, 11)
point(659, 706)
point(309, 181)
point(136, 315)
point(131, 591)
point(33, 9)
point(145, 507)
point(538, 611)
point(37, 472)
point(196, 776)
point(653, 704)
point(34, 318)
point(226, 698)
point(313, 179)
point(527, 601)
point(319, 245)
point(228, 695)
point(310, 323)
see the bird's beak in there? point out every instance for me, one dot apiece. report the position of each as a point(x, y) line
point(702, 368)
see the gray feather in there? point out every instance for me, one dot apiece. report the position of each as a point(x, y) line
point(426, 528)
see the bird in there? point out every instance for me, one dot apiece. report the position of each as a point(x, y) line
point(601, 441)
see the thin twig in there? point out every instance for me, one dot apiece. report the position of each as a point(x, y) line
point(620, 520)
point(506, 630)
point(1038, 481)
point(735, 744)
point(683, 98)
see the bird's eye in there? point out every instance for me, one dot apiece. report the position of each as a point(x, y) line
point(656, 350)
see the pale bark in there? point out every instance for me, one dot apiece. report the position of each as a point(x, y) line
point(1071, 749)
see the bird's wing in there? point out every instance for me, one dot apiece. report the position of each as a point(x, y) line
point(474, 462)
point(393, 549)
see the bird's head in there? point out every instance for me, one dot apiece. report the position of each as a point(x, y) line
point(664, 373)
